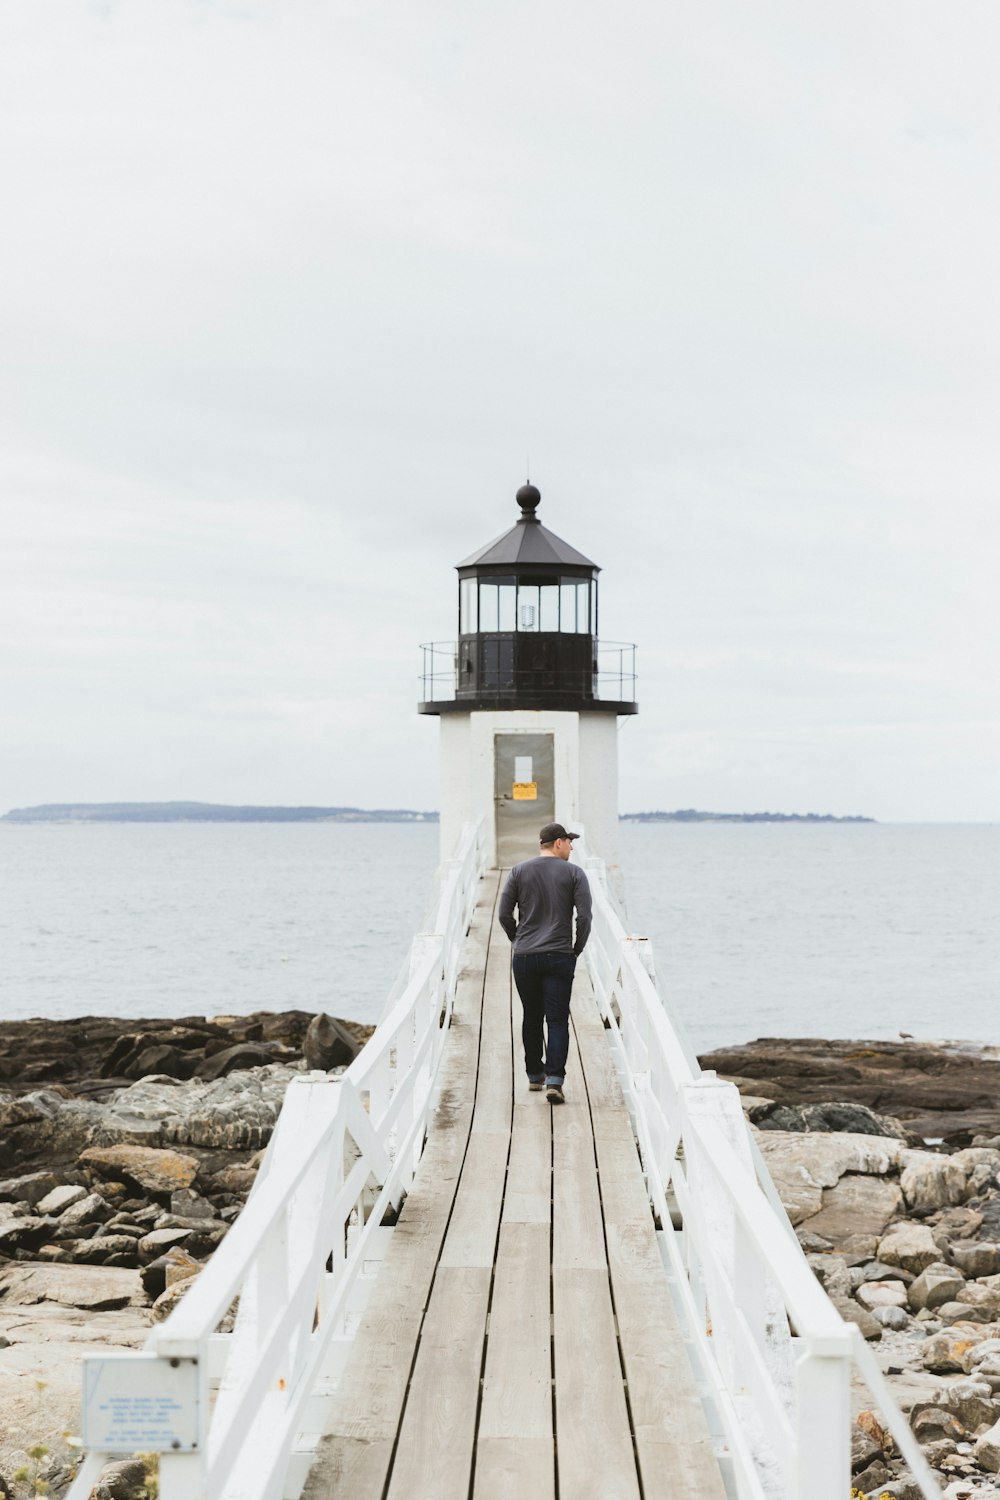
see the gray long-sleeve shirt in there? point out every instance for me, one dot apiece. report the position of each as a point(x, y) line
point(545, 891)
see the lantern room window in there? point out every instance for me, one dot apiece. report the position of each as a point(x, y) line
point(492, 605)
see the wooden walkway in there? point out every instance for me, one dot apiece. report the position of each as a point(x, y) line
point(520, 1339)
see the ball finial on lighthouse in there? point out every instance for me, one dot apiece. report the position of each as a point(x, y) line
point(528, 497)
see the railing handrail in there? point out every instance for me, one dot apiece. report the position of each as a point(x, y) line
point(740, 1279)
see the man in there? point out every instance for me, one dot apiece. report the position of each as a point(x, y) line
point(545, 892)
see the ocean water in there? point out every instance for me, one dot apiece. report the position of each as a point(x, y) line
point(758, 930)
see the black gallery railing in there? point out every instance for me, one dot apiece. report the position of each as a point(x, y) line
point(610, 676)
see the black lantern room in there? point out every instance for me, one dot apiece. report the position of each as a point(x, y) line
point(528, 630)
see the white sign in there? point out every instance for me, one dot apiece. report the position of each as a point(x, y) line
point(140, 1403)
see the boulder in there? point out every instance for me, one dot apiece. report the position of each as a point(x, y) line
point(155, 1171)
point(180, 1266)
point(851, 1312)
point(23, 1233)
point(909, 1245)
point(873, 1294)
point(855, 1119)
point(191, 1205)
point(161, 1059)
point(159, 1240)
point(947, 1351)
point(60, 1198)
point(124, 1479)
point(962, 1312)
point(855, 1205)
point(801, 1166)
point(936, 1284)
point(92, 1208)
point(91, 1287)
point(931, 1181)
point(44, 1127)
point(933, 1424)
point(891, 1317)
point(864, 1448)
point(236, 1113)
point(30, 1188)
point(106, 1250)
point(971, 1401)
point(168, 1300)
point(987, 1450)
point(235, 1180)
point(235, 1059)
point(328, 1044)
point(978, 1258)
point(977, 1295)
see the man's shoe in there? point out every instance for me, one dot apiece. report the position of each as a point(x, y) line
point(554, 1093)
point(536, 1085)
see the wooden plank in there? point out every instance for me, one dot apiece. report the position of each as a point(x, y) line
point(472, 1234)
point(593, 1441)
point(494, 1082)
point(515, 1455)
point(355, 1453)
point(577, 1227)
point(437, 1436)
point(528, 1199)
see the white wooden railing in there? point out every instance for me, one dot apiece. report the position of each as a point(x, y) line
point(772, 1353)
point(231, 1389)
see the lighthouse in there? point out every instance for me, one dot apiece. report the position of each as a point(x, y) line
point(529, 696)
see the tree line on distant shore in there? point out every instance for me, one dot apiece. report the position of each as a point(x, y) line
point(214, 812)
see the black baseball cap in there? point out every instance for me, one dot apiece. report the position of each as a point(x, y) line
point(553, 831)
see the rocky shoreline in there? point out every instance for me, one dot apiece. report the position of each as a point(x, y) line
point(886, 1157)
point(126, 1152)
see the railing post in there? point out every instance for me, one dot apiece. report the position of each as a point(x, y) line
point(823, 1449)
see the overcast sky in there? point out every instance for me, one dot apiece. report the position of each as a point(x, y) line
point(289, 291)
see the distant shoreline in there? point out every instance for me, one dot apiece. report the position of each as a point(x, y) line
point(216, 812)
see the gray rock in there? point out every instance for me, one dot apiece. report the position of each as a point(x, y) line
point(832, 1274)
point(891, 1317)
point(977, 1295)
point(23, 1234)
point(234, 1059)
point(90, 1209)
point(850, 1311)
point(932, 1423)
point(936, 1284)
point(980, 1258)
point(873, 1294)
point(188, 1204)
point(857, 1204)
point(125, 1479)
point(971, 1401)
point(962, 1312)
point(159, 1240)
point(90, 1287)
point(947, 1351)
point(873, 1479)
point(60, 1198)
point(328, 1044)
point(931, 1181)
point(236, 1113)
point(30, 1188)
point(155, 1171)
point(801, 1166)
point(909, 1245)
point(106, 1249)
point(987, 1450)
point(863, 1449)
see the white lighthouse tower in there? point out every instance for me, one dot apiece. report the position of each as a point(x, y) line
point(528, 696)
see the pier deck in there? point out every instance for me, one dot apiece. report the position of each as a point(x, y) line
point(520, 1337)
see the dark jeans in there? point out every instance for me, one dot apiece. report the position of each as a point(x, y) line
point(544, 982)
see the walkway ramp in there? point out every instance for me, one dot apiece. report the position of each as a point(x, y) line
point(520, 1338)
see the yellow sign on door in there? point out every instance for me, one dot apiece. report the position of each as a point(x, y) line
point(525, 791)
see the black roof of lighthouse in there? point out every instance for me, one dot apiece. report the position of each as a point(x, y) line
point(528, 542)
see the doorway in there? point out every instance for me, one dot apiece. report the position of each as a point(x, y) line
point(524, 793)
